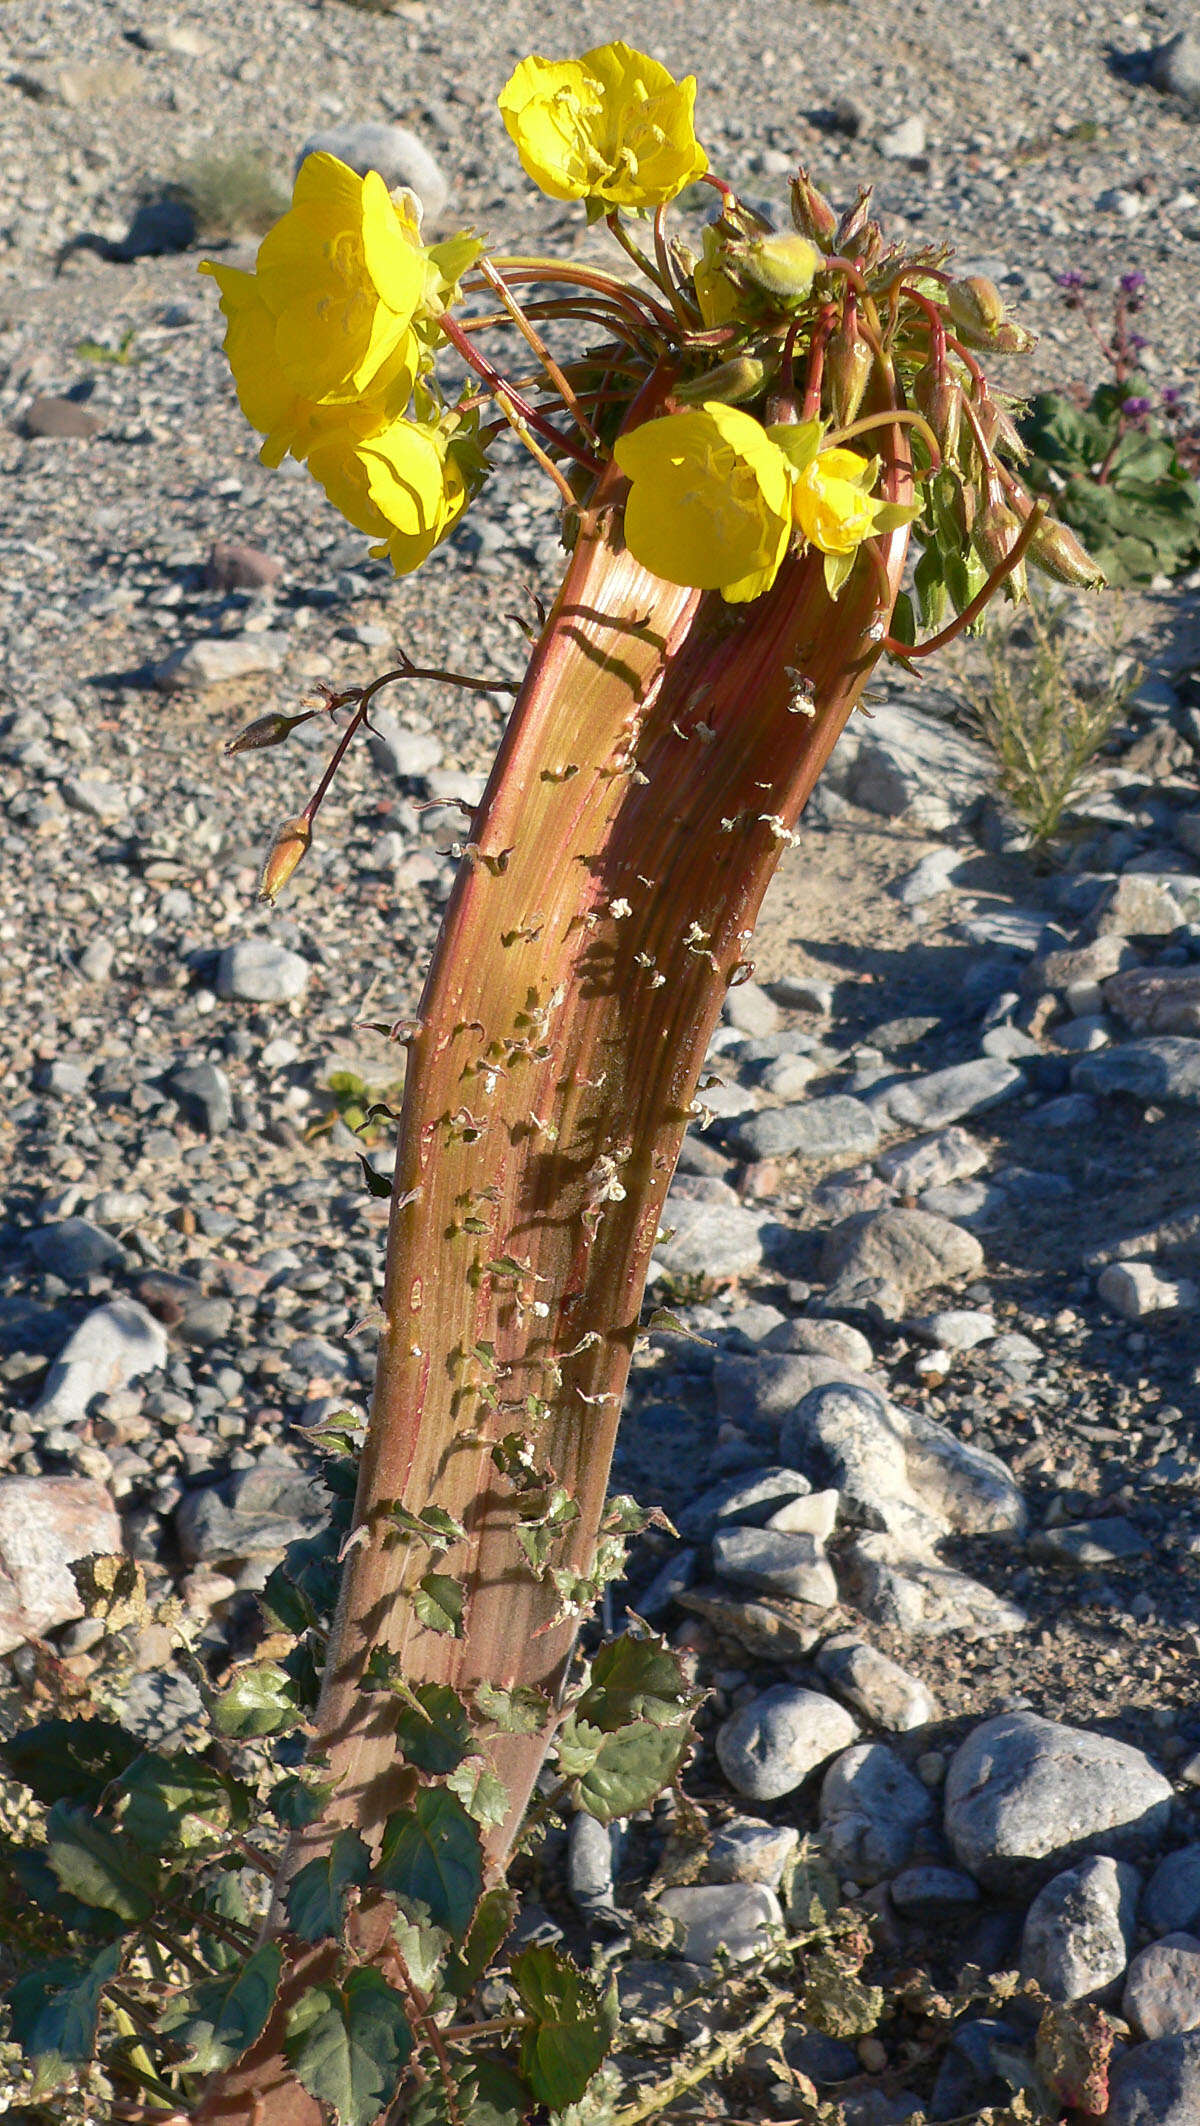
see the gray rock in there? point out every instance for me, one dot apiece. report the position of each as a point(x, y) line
point(723, 1919)
point(932, 1162)
point(788, 1077)
point(930, 1893)
point(1175, 66)
point(814, 1337)
point(928, 878)
point(258, 971)
point(593, 1850)
point(1021, 1789)
point(1077, 971)
point(833, 1128)
point(763, 1390)
point(909, 1250)
point(1162, 1989)
point(95, 798)
point(254, 1513)
point(771, 1746)
point(1110, 1540)
point(904, 142)
point(713, 1240)
point(897, 1469)
point(751, 1010)
point(896, 1585)
point(114, 1345)
point(745, 1850)
point(748, 1500)
point(1079, 1929)
point(202, 1093)
point(233, 565)
point(58, 418)
point(218, 660)
point(975, 1204)
point(805, 992)
point(400, 158)
point(1153, 1000)
point(904, 763)
point(956, 1328)
point(1165, 1067)
point(1017, 930)
point(774, 1563)
point(396, 751)
point(873, 1685)
point(75, 1249)
point(1157, 2084)
point(46, 1522)
point(942, 1096)
point(814, 1515)
point(1137, 906)
point(1171, 1904)
point(96, 960)
point(1136, 1290)
point(871, 1811)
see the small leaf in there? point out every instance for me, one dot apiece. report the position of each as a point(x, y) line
point(438, 1602)
point(298, 1800)
point(377, 1184)
point(261, 1700)
point(483, 1795)
point(635, 1678)
point(630, 1768)
point(424, 1948)
point(219, 2020)
point(490, 1928)
point(29, 1866)
point(177, 1801)
point(573, 2026)
point(316, 1897)
point(432, 1726)
point(521, 1711)
point(69, 1760)
point(89, 1863)
point(55, 2011)
point(431, 1855)
point(500, 2097)
point(349, 2044)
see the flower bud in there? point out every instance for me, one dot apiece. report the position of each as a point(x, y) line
point(853, 222)
point(939, 398)
point(781, 265)
point(997, 529)
point(811, 212)
point(848, 362)
point(1058, 553)
point(732, 383)
point(290, 844)
point(265, 731)
point(979, 317)
point(998, 427)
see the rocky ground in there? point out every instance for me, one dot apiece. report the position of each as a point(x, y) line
point(933, 1465)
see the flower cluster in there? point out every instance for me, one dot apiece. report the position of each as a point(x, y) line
point(331, 342)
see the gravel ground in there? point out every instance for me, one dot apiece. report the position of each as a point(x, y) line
point(227, 1203)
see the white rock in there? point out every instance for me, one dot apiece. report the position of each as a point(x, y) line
point(115, 1344)
point(219, 660)
point(1135, 1290)
point(46, 1522)
point(258, 971)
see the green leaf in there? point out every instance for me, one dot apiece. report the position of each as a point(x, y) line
point(634, 1678)
point(483, 1795)
point(55, 2011)
point(69, 1760)
point(349, 2044)
point(431, 1855)
point(424, 1948)
point(178, 1801)
point(490, 1928)
point(438, 1602)
point(219, 2020)
point(904, 621)
point(31, 1870)
point(515, 1712)
point(316, 1897)
point(377, 1184)
point(433, 1525)
point(91, 1864)
point(261, 1700)
point(302, 1590)
point(630, 1768)
point(432, 1726)
point(298, 1800)
point(573, 2026)
point(498, 2097)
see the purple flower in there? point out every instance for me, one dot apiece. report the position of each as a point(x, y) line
point(1172, 398)
point(1071, 282)
point(1136, 341)
point(1135, 409)
point(1133, 285)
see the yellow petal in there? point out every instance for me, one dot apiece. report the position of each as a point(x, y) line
point(709, 502)
point(614, 127)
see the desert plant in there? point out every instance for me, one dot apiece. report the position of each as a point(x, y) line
point(231, 192)
point(734, 568)
point(1042, 726)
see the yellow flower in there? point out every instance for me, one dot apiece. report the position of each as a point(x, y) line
point(404, 486)
point(270, 402)
point(832, 502)
point(709, 501)
point(613, 127)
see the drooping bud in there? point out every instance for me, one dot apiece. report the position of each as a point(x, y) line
point(853, 222)
point(848, 363)
point(291, 843)
point(979, 317)
point(732, 383)
point(939, 398)
point(266, 731)
point(996, 531)
point(811, 211)
point(998, 427)
point(1058, 553)
point(781, 265)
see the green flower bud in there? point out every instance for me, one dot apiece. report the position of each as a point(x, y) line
point(732, 383)
point(848, 363)
point(978, 314)
point(997, 529)
point(266, 731)
point(811, 212)
point(939, 398)
point(1058, 553)
point(781, 265)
